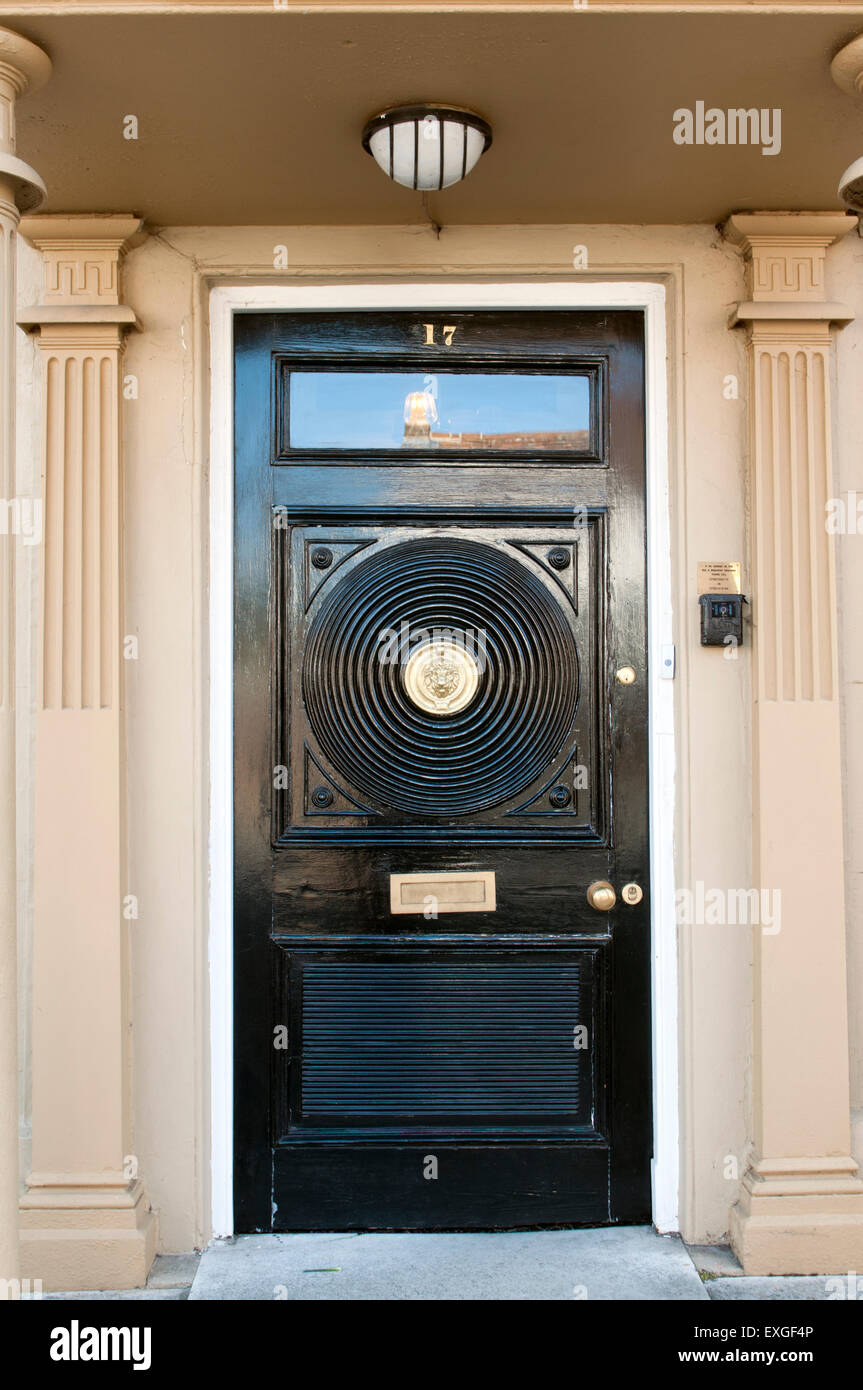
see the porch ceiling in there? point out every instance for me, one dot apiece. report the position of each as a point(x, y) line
point(256, 118)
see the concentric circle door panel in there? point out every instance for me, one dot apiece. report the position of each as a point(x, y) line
point(438, 679)
point(441, 989)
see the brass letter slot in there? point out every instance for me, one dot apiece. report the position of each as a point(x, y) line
point(431, 894)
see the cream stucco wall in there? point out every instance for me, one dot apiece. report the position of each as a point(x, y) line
point(166, 533)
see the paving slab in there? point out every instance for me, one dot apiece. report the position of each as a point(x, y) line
point(174, 1271)
point(777, 1287)
point(144, 1295)
point(715, 1260)
point(610, 1263)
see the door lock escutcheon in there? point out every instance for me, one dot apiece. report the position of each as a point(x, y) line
point(601, 895)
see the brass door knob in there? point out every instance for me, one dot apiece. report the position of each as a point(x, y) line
point(601, 895)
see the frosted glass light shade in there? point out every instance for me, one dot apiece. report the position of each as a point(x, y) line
point(851, 186)
point(426, 147)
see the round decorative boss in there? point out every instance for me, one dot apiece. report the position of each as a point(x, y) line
point(560, 797)
point(559, 557)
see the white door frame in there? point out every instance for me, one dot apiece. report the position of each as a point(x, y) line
point(225, 301)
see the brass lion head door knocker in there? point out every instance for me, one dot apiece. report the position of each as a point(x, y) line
point(441, 676)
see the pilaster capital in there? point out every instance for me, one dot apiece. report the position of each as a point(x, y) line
point(847, 67)
point(23, 65)
point(81, 255)
point(23, 68)
point(785, 261)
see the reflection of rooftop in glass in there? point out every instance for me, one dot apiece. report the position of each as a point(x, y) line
point(576, 440)
point(420, 408)
point(420, 411)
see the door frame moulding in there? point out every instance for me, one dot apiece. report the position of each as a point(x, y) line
point(224, 302)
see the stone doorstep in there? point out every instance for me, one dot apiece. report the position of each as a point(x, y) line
point(601, 1264)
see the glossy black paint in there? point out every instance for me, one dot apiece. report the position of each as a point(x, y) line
point(312, 875)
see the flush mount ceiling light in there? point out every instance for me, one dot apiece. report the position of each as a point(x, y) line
point(851, 186)
point(426, 147)
point(847, 72)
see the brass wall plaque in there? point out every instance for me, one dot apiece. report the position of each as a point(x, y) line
point(718, 577)
point(429, 895)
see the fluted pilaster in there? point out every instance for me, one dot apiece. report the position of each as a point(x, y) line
point(85, 1218)
point(800, 1209)
point(23, 67)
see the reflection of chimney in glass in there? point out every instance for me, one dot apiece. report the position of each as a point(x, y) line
point(420, 414)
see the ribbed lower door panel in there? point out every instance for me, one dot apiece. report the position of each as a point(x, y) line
point(447, 1088)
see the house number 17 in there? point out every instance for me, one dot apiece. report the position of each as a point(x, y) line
point(448, 331)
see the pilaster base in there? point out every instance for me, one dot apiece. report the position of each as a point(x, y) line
point(87, 1238)
point(799, 1217)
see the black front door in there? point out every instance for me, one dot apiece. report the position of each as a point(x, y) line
point(441, 793)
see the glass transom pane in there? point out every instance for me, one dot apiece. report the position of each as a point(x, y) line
point(529, 412)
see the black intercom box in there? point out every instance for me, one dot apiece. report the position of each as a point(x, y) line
point(721, 619)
